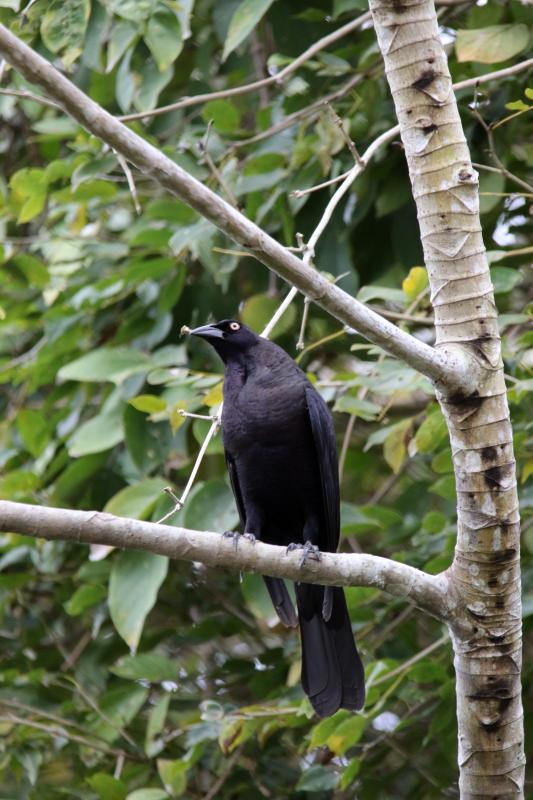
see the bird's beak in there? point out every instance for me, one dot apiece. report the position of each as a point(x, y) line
point(207, 332)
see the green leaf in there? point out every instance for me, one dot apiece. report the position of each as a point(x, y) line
point(211, 507)
point(148, 794)
point(136, 501)
point(442, 462)
point(325, 728)
point(122, 36)
point(116, 709)
point(351, 404)
point(63, 27)
point(113, 364)
point(347, 734)
point(33, 429)
point(152, 667)
point(29, 188)
point(491, 185)
point(504, 279)
point(257, 597)
point(133, 587)
point(259, 309)
point(341, 6)
point(395, 445)
point(163, 37)
point(149, 403)
point(97, 434)
point(367, 293)
point(444, 487)
point(125, 82)
point(491, 45)
point(84, 597)
point(156, 724)
point(350, 773)
point(415, 283)
point(133, 10)
point(317, 779)
point(235, 731)
point(224, 115)
point(245, 18)
point(434, 521)
point(517, 105)
point(173, 775)
point(432, 433)
point(106, 787)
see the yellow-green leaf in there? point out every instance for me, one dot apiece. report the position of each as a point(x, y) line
point(395, 446)
point(415, 283)
point(492, 44)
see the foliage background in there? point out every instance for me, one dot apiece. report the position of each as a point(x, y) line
point(124, 675)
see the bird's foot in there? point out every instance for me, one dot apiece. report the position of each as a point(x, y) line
point(234, 535)
point(310, 551)
point(293, 546)
point(251, 537)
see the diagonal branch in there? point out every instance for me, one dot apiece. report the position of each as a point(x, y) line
point(447, 367)
point(428, 592)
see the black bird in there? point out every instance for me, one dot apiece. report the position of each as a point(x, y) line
point(281, 456)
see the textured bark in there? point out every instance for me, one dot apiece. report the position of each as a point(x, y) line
point(485, 574)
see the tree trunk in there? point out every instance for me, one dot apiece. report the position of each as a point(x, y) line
point(485, 575)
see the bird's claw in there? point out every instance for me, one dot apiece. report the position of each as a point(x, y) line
point(310, 551)
point(293, 546)
point(233, 535)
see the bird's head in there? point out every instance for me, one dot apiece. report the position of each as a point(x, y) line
point(231, 339)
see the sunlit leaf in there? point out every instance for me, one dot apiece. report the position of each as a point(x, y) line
point(135, 581)
point(244, 20)
point(492, 44)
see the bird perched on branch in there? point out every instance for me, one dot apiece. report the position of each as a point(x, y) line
point(281, 456)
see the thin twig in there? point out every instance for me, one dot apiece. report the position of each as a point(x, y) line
point(495, 157)
point(390, 134)
point(65, 734)
point(228, 766)
point(203, 148)
point(410, 661)
point(131, 183)
point(300, 344)
point(351, 145)
point(276, 79)
point(24, 95)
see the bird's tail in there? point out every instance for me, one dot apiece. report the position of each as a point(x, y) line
point(332, 672)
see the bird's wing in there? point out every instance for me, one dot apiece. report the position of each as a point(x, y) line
point(234, 480)
point(326, 451)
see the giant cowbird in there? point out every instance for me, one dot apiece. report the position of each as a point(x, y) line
point(281, 456)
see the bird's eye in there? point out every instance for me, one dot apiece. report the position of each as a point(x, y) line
point(235, 326)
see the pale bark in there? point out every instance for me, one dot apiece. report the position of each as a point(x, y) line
point(486, 571)
point(428, 592)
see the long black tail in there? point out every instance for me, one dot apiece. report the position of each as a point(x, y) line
point(332, 672)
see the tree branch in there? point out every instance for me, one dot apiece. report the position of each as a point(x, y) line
point(448, 367)
point(428, 592)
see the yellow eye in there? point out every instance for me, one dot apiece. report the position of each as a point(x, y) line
point(235, 326)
